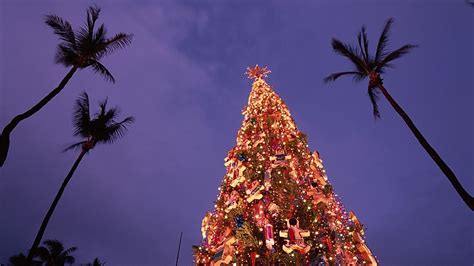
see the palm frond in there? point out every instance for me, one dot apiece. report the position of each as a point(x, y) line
point(102, 108)
point(18, 260)
point(68, 251)
point(62, 28)
point(405, 49)
point(42, 253)
point(55, 247)
point(351, 53)
point(84, 40)
point(102, 70)
point(82, 116)
point(119, 41)
point(99, 36)
point(65, 55)
point(383, 40)
point(96, 262)
point(110, 115)
point(92, 16)
point(85, 35)
point(69, 260)
point(374, 97)
point(117, 130)
point(363, 44)
point(357, 76)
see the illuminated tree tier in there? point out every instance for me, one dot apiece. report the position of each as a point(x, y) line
point(275, 204)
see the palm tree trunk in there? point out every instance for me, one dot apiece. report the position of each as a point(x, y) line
point(468, 199)
point(5, 136)
point(42, 229)
point(179, 248)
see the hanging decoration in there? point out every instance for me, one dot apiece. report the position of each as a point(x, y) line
point(295, 237)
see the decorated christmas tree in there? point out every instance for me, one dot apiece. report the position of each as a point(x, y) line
point(275, 204)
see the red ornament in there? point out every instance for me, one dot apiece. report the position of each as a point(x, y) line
point(254, 258)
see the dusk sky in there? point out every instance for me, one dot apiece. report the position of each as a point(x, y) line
point(183, 80)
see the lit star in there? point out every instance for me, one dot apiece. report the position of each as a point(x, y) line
point(257, 72)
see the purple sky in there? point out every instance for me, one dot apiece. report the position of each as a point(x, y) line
point(183, 81)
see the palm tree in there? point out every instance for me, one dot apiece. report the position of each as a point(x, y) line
point(20, 260)
point(96, 262)
point(79, 49)
point(103, 128)
point(372, 67)
point(53, 254)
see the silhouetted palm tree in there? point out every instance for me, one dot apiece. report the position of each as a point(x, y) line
point(53, 254)
point(96, 262)
point(371, 67)
point(103, 128)
point(78, 50)
point(20, 260)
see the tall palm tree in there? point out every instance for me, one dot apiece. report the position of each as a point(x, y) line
point(103, 128)
point(53, 254)
point(372, 67)
point(79, 49)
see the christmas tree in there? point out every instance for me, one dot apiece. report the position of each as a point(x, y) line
point(275, 204)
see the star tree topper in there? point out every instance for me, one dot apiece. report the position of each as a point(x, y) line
point(257, 72)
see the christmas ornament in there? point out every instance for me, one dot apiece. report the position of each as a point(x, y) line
point(267, 179)
point(317, 195)
point(295, 237)
point(254, 191)
point(224, 253)
point(205, 224)
point(229, 160)
point(239, 221)
point(273, 209)
point(232, 201)
point(279, 159)
point(317, 159)
point(242, 157)
point(260, 140)
point(365, 252)
point(258, 215)
point(253, 257)
point(237, 174)
point(269, 241)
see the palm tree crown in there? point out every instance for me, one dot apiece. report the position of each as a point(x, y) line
point(103, 128)
point(366, 65)
point(96, 262)
point(21, 260)
point(87, 46)
point(53, 253)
